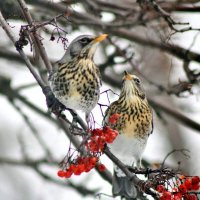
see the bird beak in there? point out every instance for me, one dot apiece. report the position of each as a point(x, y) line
point(100, 38)
point(93, 44)
point(127, 76)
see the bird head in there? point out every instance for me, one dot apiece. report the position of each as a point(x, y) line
point(132, 85)
point(84, 46)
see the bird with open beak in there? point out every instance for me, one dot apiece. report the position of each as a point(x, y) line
point(75, 80)
point(135, 124)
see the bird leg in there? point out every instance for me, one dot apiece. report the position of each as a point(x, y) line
point(75, 118)
point(89, 119)
point(139, 163)
point(52, 103)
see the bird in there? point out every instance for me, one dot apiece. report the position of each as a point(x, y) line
point(75, 80)
point(134, 125)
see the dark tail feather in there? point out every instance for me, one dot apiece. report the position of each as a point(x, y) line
point(122, 186)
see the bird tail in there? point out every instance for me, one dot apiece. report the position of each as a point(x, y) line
point(123, 187)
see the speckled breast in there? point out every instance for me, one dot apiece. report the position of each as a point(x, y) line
point(135, 118)
point(77, 87)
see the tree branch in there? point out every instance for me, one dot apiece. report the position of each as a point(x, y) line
point(38, 43)
point(82, 190)
point(10, 34)
point(174, 50)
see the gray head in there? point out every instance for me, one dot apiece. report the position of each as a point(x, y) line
point(132, 85)
point(83, 45)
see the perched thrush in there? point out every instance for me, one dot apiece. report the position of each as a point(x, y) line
point(75, 80)
point(135, 124)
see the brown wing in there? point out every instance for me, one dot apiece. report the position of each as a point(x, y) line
point(115, 108)
point(109, 112)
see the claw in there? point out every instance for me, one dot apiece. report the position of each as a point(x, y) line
point(52, 103)
point(74, 121)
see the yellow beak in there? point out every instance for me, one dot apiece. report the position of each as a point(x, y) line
point(127, 76)
point(100, 38)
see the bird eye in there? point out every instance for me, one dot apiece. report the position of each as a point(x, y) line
point(137, 80)
point(84, 40)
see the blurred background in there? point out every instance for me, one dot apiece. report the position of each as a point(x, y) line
point(156, 40)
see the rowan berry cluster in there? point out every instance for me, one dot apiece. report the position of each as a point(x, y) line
point(80, 165)
point(185, 189)
point(99, 137)
point(94, 146)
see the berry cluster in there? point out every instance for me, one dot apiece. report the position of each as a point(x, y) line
point(80, 165)
point(99, 137)
point(94, 146)
point(182, 190)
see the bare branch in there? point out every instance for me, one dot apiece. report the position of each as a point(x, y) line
point(21, 52)
point(40, 47)
point(36, 166)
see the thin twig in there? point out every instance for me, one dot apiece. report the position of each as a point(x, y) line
point(40, 47)
point(10, 34)
point(183, 151)
point(92, 21)
point(36, 166)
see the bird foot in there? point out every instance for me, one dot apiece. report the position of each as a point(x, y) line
point(52, 103)
point(88, 120)
point(74, 121)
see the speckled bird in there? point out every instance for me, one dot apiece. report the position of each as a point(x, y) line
point(75, 80)
point(135, 124)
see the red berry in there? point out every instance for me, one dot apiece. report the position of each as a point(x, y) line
point(182, 188)
point(88, 167)
point(177, 196)
point(166, 196)
point(93, 160)
point(81, 167)
point(97, 132)
point(114, 134)
point(109, 139)
point(71, 167)
point(80, 160)
point(86, 160)
point(188, 183)
point(77, 170)
point(160, 188)
point(195, 179)
point(113, 118)
point(193, 197)
point(100, 142)
point(195, 187)
point(110, 135)
point(106, 130)
point(61, 173)
point(101, 167)
point(92, 146)
point(68, 174)
point(190, 197)
point(103, 138)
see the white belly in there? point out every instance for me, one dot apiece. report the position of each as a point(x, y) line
point(77, 102)
point(71, 102)
point(128, 150)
